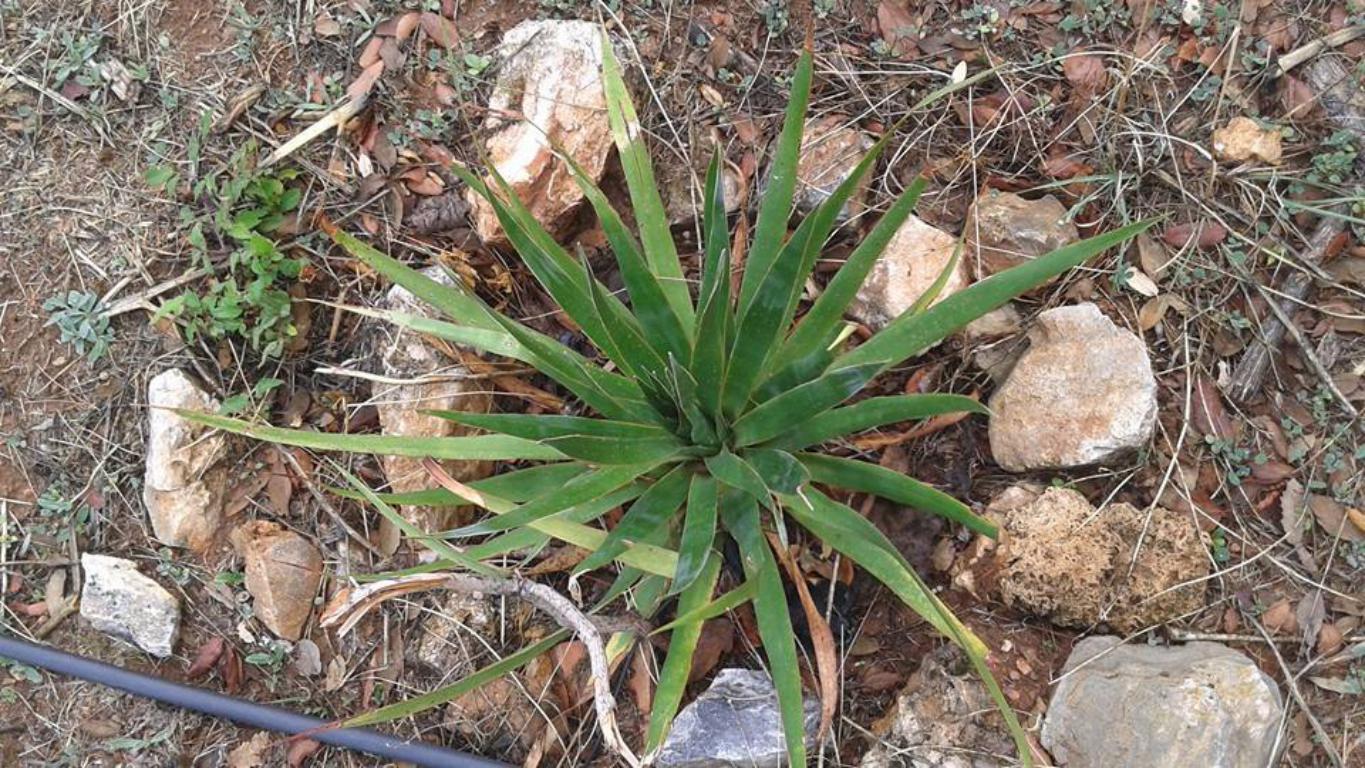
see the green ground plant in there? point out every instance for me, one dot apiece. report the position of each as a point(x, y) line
point(710, 420)
point(249, 299)
point(82, 323)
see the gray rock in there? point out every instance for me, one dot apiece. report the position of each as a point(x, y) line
point(120, 601)
point(1083, 393)
point(183, 482)
point(734, 723)
point(1201, 704)
point(944, 718)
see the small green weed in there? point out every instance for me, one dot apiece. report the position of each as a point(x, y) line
point(249, 300)
point(82, 323)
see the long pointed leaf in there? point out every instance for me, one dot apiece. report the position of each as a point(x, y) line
point(438, 697)
point(577, 491)
point(647, 295)
point(699, 531)
point(678, 663)
point(650, 216)
point(908, 335)
point(736, 473)
point(774, 622)
point(774, 417)
point(864, 476)
point(475, 448)
point(649, 513)
point(870, 413)
point(828, 310)
point(857, 538)
point(776, 207)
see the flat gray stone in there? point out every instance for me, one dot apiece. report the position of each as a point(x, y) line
point(123, 603)
point(1200, 704)
point(734, 723)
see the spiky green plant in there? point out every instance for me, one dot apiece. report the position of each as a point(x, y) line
point(711, 421)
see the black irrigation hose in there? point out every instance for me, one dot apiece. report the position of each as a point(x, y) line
point(237, 710)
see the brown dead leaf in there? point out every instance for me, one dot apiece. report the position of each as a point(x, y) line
point(440, 29)
point(427, 185)
point(1207, 413)
point(717, 639)
point(1086, 73)
point(1280, 618)
point(364, 82)
point(641, 683)
point(1203, 235)
point(299, 752)
point(1152, 256)
point(1059, 165)
point(1333, 518)
point(279, 489)
point(897, 28)
point(1297, 98)
point(205, 658)
point(1330, 639)
point(250, 753)
point(230, 669)
point(826, 656)
point(1154, 310)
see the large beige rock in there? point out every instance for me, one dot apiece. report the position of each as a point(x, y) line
point(1082, 393)
point(183, 481)
point(550, 74)
point(914, 258)
point(120, 601)
point(283, 573)
point(1077, 566)
point(830, 150)
point(407, 356)
point(1005, 230)
point(1200, 704)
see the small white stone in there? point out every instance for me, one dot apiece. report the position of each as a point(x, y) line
point(119, 601)
point(182, 483)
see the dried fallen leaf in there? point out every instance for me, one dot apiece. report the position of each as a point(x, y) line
point(1207, 413)
point(1280, 618)
point(822, 638)
point(364, 82)
point(1154, 310)
point(1202, 235)
point(300, 750)
point(440, 29)
point(326, 26)
point(1332, 516)
point(1085, 72)
point(1330, 640)
point(250, 753)
point(1138, 282)
point(205, 658)
point(1152, 256)
point(897, 27)
point(717, 639)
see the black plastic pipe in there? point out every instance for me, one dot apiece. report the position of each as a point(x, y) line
point(247, 713)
